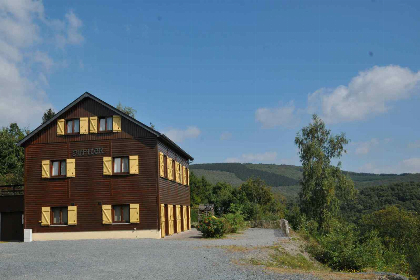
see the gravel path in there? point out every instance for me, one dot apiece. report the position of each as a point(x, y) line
point(184, 256)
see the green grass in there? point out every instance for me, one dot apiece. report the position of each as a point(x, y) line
point(282, 259)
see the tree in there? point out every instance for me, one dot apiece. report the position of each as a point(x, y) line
point(200, 190)
point(48, 115)
point(127, 110)
point(11, 156)
point(323, 185)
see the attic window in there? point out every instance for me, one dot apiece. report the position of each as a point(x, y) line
point(73, 126)
point(105, 124)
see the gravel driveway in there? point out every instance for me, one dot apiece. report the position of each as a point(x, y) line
point(183, 256)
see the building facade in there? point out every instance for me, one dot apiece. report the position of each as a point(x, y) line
point(94, 172)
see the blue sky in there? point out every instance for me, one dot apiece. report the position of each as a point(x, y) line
point(230, 81)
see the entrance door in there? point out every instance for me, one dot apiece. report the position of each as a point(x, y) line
point(162, 221)
point(11, 226)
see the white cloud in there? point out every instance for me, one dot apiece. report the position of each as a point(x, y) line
point(263, 157)
point(179, 135)
point(369, 93)
point(225, 136)
point(44, 59)
point(233, 160)
point(285, 116)
point(414, 145)
point(411, 165)
point(74, 23)
point(68, 30)
point(369, 168)
point(24, 63)
point(363, 148)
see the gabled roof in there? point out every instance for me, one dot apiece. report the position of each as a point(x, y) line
point(161, 136)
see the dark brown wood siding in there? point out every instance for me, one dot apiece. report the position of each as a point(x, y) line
point(11, 203)
point(88, 108)
point(171, 192)
point(90, 187)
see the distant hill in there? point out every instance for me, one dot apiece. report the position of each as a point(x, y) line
point(285, 178)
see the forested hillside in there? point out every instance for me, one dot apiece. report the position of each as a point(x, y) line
point(285, 178)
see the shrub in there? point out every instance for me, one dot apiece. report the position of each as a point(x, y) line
point(344, 249)
point(211, 227)
point(234, 222)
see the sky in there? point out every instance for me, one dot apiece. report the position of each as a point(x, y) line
point(229, 81)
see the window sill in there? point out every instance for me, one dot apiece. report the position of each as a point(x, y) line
point(59, 225)
point(121, 224)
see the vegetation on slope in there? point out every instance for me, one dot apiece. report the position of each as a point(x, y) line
point(227, 172)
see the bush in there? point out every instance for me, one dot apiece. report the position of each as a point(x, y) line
point(233, 222)
point(211, 227)
point(344, 249)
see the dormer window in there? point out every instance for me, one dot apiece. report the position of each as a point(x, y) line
point(73, 126)
point(105, 124)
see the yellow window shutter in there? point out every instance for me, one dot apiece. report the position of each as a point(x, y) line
point(72, 215)
point(106, 214)
point(60, 127)
point(168, 167)
point(134, 213)
point(45, 169)
point(93, 125)
point(107, 165)
point(176, 171)
point(134, 164)
point(46, 215)
point(184, 175)
point(188, 178)
point(161, 165)
point(84, 125)
point(71, 167)
point(116, 123)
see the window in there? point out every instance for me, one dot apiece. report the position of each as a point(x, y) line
point(121, 214)
point(58, 168)
point(73, 126)
point(120, 165)
point(59, 215)
point(105, 124)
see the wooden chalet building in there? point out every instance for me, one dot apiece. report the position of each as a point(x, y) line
point(94, 172)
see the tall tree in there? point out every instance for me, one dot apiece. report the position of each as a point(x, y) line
point(323, 185)
point(127, 110)
point(11, 156)
point(48, 115)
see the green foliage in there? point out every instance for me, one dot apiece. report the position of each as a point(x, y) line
point(211, 227)
point(323, 185)
point(222, 172)
point(253, 198)
point(234, 222)
point(397, 227)
point(49, 114)
point(371, 199)
point(343, 248)
point(259, 202)
point(200, 190)
point(127, 110)
point(11, 156)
